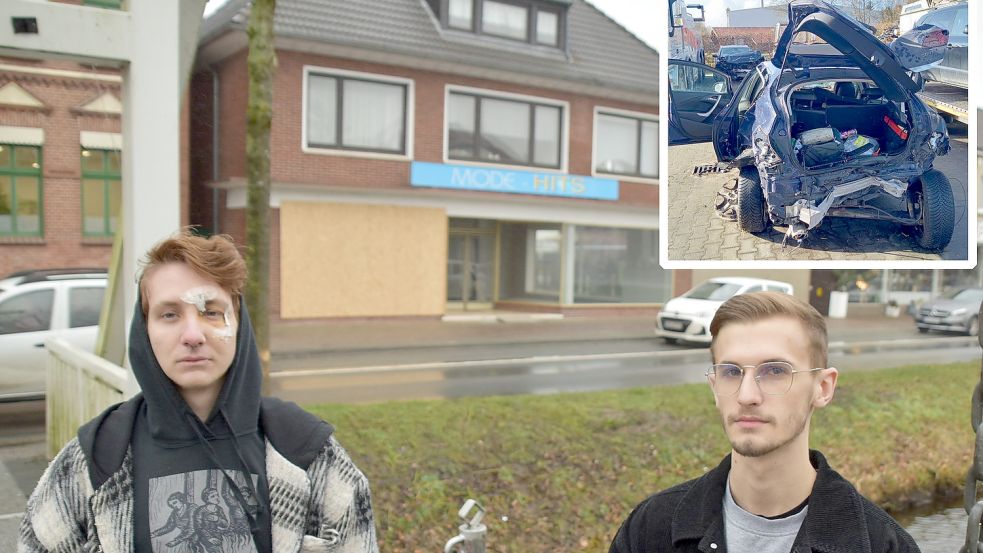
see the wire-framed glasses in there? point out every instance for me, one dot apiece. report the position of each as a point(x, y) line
point(774, 378)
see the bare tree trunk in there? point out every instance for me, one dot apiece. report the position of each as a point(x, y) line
point(259, 114)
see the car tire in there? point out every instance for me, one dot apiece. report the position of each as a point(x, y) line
point(974, 327)
point(923, 330)
point(670, 341)
point(937, 211)
point(751, 211)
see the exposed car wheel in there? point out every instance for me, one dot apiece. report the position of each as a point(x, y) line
point(974, 327)
point(923, 330)
point(670, 341)
point(751, 213)
point(937, 210)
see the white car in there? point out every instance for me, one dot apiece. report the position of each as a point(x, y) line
point(688, 317)
point(33, 312)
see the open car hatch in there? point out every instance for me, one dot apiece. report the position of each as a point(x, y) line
point(886, 66)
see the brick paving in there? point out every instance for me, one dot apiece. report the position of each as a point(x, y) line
point(697, 233)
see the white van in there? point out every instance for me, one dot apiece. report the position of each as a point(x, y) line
point(688, 317)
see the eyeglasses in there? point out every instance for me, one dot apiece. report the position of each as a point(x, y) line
point(774, 378)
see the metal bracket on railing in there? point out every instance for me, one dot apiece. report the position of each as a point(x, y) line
point(472, 536)
point(975, 473)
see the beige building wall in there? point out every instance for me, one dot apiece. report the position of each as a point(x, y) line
point(352, 260)
point(798, 278)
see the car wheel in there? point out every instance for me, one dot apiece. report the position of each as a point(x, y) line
point(937, 210)
point(751, 212)
point(670, 341)
point(974, 327)
point(923, 330)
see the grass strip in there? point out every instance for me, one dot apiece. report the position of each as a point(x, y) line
point(561, 472)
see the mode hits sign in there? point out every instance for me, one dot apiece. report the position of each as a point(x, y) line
point(464, 177)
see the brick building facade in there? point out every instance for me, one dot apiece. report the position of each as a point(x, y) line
point(400, 141)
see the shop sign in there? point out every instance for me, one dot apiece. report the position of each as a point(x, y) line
point(487, 179)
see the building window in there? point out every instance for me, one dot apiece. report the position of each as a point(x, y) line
point(505, 20)
point(20, 190)
point(101, 191)
point(626, 145)
point(535, 21)
point(618, 265)
point(548, 28)
point(530, 262)
point(460, 14)
point(502, 130)
point(355, 113)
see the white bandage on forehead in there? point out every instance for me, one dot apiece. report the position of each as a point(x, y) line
point(199, 296)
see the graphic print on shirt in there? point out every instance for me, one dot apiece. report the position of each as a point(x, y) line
point(198, 512)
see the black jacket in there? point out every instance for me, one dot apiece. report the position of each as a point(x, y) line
point(689, 517)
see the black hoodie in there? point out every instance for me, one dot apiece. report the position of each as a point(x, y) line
point(190, 489)
point(199, 486)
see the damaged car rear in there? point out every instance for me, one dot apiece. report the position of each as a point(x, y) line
point(831, 126)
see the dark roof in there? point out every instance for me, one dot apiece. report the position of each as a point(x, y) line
point(600, 52)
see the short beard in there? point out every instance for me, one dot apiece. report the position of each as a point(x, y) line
point(749, 449)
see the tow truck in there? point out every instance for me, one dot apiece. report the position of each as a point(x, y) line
point(951, 102)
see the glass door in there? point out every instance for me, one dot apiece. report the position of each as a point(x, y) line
point(470, 270)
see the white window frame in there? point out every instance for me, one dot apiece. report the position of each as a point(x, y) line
point(598, 110)
point(409, 116)
point(491, 93)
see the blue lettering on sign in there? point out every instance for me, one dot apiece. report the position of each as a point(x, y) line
point(463, 177)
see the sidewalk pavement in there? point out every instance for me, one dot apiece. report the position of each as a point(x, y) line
point(297, 338)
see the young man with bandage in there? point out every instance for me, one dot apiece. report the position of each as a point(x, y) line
point(198, 461)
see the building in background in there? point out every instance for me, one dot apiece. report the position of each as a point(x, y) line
point(765, 16)
point(431, 157)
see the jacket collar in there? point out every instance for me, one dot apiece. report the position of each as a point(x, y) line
point(699, 515)
point(112, 505)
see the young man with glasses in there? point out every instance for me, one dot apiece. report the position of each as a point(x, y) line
point(772, 493)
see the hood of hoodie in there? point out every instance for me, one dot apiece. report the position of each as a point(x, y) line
point(167, 412)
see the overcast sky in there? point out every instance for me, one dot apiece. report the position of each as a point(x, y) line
point(638, 16)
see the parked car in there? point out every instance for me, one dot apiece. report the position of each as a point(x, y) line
point(957, 311)
point(825, 129)
point(736, 60)
point(954, 67)
point(688, 317)
point(38, 275)
point(33, 312)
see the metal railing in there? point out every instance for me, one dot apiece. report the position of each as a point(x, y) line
point(80, 385)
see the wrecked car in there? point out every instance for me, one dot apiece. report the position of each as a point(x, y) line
point(830, 126)
point(737, 60)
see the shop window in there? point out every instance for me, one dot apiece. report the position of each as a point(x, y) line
point(20, 190)
point(626, 145)
point(617, 265)
point(101, 191)
point(536, 21)
point(348, 112)
point(530, 262)
point(504, 130)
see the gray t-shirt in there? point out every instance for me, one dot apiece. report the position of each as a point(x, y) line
point(750, 533)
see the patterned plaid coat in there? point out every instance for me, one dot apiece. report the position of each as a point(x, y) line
point(325, 509)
